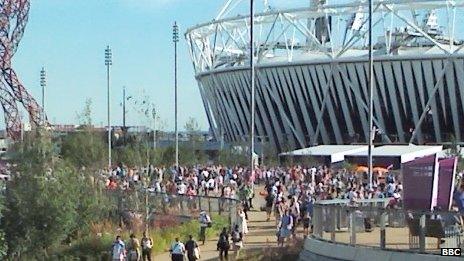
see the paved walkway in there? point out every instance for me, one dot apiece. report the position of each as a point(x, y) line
point(261, 234)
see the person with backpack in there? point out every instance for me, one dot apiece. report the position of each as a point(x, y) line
point(237, 240)
point(223, 245)
point(118, 250)
point(193, 251)
point(147, 245)
point(205, 222)
point(177, 251)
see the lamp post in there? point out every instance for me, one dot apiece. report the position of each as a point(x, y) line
point(175, 39)
point(153, 114)
point(43, 83)
point(124, 115)
point(252, 67)
point(108, 63)
point(371, 94)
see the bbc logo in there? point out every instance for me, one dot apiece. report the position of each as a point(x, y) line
point(451, 252)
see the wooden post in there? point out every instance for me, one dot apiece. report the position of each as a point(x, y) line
point(422, 234)
point(352, 226)
point(383, 219)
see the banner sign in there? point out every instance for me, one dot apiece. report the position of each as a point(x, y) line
point(420, 183)
point(446, 174)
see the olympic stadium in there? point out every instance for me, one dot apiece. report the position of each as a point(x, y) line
point(312, 72)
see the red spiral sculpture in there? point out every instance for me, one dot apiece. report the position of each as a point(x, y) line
point(13, 20)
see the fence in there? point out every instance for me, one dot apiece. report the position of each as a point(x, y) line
point(150, 204)
point(370, 224)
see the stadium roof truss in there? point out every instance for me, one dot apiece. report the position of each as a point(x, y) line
point(295, 36)
point(225, 41)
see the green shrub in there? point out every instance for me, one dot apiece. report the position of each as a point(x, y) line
point(97, 245)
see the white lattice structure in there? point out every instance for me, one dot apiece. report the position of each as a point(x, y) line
point(312, 72)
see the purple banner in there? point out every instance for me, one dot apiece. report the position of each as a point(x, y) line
point(446, 173)
point(420, 183)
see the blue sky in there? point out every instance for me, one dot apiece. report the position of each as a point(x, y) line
point(68, 37)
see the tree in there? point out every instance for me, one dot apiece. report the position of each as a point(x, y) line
point(3, 243)
point(49, 200)
point(41, 201)
point(193, 129)
point(85, 148)
point(232, 157)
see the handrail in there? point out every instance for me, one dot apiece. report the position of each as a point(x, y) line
point(365, 224)
point(345, 201)
point(174, 204)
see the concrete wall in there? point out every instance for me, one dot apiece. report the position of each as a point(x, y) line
point(317, 250)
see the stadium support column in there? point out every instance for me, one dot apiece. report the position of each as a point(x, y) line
point(252, 67)
point(371, 92)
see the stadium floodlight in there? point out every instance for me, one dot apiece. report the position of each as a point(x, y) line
point(108, 63)
point(175, 39)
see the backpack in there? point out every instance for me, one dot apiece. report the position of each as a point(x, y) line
point(235, 236)
point(117, 251)
point(269, 200)
point(223, 243)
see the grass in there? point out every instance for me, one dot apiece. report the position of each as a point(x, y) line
point(103, 234)
point(274, 253)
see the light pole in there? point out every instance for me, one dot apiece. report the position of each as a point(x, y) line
point(252, 67)
point(153, 114)
point(108, 63)
point(175, 39)
point(371, 94)
point(124, 115)
point(262, 138)
point(43, 83)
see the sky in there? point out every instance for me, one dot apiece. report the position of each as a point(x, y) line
point(68, 38)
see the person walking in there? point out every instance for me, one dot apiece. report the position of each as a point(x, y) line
point(147, 245)
point(193, 251)
point(134, 249)
point(242, 222)
point(118, 250)
point(285, 228)
point(237, 240)
point(205, 222)
point(269, 203)
point(177, 251)
point(223, 245)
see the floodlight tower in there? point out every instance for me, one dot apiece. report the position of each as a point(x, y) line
point(175, 39)
point(108, 63)
point(43, 84)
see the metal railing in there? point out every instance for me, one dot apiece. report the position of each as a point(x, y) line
point(368, 223)
point(175, 205)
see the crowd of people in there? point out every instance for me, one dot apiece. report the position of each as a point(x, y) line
point(289, 193)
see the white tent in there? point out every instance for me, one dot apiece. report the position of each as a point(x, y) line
point(394, 154)
point(330, 153)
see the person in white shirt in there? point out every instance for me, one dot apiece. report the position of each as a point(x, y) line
point(205, 174)
point(181, 189)
point(211, 184)
point(177, 251)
